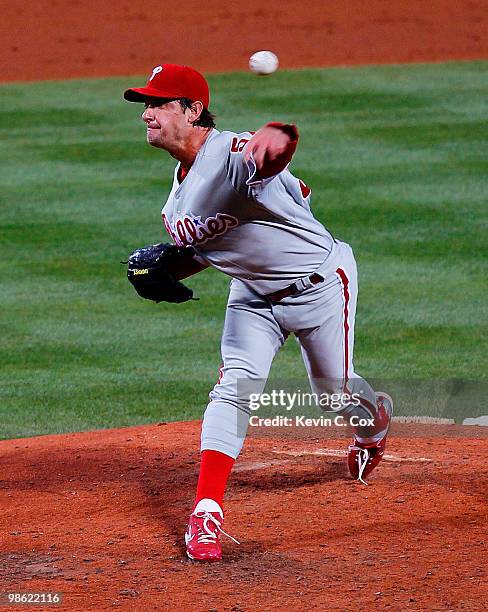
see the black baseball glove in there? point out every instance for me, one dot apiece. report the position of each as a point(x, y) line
point(151, 270)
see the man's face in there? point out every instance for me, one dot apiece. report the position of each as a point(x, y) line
point(167, 124)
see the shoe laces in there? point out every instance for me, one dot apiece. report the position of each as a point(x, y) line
point(207, 534)
point(362, 459)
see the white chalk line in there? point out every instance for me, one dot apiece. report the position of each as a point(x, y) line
point(319, 452)
point(423, 420)
point(256, 465)
point(329, 452)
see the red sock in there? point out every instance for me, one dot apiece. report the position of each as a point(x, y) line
point(215, 468)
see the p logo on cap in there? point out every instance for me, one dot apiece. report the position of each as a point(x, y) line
point(155, 71)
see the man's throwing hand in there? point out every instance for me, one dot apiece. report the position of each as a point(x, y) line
point(272, 148)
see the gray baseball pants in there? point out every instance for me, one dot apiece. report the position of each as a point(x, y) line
point(322, 319)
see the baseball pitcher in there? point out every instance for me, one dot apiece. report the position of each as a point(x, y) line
point(234, 205)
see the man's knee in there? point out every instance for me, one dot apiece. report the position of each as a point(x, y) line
point(224, 427)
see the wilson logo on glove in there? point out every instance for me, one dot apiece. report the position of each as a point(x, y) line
point(151, 270)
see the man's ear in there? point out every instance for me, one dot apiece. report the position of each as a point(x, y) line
point(195, 111)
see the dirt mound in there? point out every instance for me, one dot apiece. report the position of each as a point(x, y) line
point(99, 517)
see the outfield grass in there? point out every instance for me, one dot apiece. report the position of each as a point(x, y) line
point(397, 158)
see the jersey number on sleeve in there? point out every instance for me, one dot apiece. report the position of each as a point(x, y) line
point(238, 144)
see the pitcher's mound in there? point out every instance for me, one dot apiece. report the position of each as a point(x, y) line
point(100, 517)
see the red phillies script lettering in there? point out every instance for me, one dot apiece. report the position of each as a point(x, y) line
point(189, 230)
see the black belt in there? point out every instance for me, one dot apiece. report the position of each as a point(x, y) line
point(292, 289)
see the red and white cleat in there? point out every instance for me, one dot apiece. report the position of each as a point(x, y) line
point(203, 531)
point(363, 458)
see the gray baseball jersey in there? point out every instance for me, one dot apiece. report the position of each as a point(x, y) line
point(264, 235)
point(259, 231)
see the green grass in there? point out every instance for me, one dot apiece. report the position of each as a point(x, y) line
point(397, 158)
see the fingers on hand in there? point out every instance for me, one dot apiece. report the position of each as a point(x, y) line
point(247, 151)
point(265, 145)
point(255, 150)
point(259, 155)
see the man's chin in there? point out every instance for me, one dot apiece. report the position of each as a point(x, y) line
point(154, 143)
point(153, 140)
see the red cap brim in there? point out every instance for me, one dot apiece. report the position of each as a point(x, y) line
point(139, 94)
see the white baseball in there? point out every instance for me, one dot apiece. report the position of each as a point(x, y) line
point(263, 62)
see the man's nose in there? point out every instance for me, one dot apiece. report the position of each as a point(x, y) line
point(146, 115)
